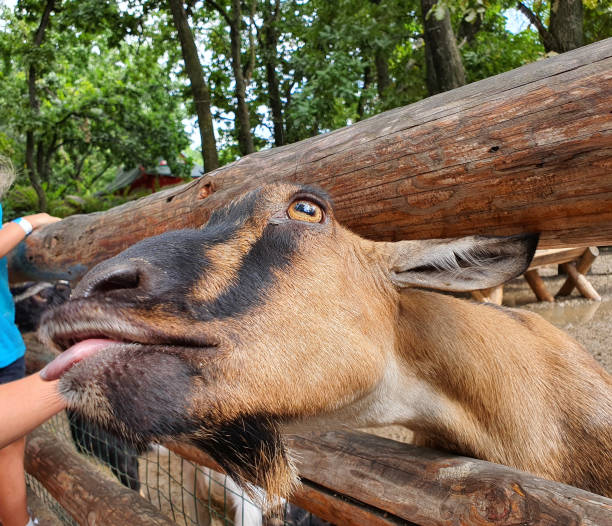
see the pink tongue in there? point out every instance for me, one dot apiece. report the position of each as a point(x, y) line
point(76, 353)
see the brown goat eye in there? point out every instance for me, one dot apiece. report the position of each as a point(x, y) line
point(303, 210)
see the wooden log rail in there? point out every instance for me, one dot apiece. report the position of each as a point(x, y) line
point(353, 478)
point(527, 150)
point(86, 493)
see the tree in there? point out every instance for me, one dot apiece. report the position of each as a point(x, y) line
point(268, 43)
point(37, 154)
point(101, 100)
point(444, 67)
point(564, 31)
point(199, 87)
point(233, 18)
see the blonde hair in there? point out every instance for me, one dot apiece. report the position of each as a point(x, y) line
point(7, 174)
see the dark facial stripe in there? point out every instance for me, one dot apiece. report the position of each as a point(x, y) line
point(273, 251)
point(173, 264)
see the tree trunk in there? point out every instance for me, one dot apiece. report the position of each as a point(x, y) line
point(525, 151)
point(269, 54)
point(32, 173)
point(468, 30)
point(381, 62)
point(245, 139)
point(442, 53)
point(566, 24)
point(431, 79)
point(199, 87)
point(565, 28)
point(383, 81)
point(33, 165)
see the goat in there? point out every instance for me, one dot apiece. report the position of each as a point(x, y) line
point(273, 318)
point(33, 298)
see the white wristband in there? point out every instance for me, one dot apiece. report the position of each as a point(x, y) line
point(25, 224)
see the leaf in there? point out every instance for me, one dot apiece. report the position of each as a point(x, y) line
point(440, 11)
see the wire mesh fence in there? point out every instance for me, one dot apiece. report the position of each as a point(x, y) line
point(188, 494)
point(47, 499)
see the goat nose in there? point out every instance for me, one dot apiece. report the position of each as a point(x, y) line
point(110, 278)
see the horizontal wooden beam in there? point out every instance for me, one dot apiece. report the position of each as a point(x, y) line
point(86, 493)
point(527, 150)
point(366, 479)
point(324, 503)
point(430, 487)
point(556, 256)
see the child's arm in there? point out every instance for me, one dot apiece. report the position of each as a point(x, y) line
point(12, 233)
point(25, 404)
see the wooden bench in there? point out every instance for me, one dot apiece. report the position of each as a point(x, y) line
point(575, 262)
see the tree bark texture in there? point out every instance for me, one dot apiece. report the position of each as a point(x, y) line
point(383, 80)
point(529, 150)
point(445, 68)
point(566, 24)
point(199, 87)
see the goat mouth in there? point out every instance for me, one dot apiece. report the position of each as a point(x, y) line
point(73, 355)
point(78, 340)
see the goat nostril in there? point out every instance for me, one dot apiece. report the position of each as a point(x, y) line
point(120, 279)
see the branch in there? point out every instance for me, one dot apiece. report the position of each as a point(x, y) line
point(220, 10)
point(44, 23)
point(100, 173)
point(63, 143)
point(79, 163)
point(547, 39)
point(73, 113)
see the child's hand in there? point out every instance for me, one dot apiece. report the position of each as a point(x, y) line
point(39, 220)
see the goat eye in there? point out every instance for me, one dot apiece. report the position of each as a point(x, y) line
point(303, 210)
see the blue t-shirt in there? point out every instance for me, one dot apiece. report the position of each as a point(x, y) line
point(11, 343)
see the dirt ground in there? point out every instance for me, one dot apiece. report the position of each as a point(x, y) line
point(589, 322)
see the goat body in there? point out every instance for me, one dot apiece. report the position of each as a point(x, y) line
point(273, 318)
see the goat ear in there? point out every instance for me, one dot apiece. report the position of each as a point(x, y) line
point(461, 264)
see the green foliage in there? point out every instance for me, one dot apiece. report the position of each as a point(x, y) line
point(495, 50)
point(597, 20)
point(22, 200)
point(111, 89)
point(106, 98)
